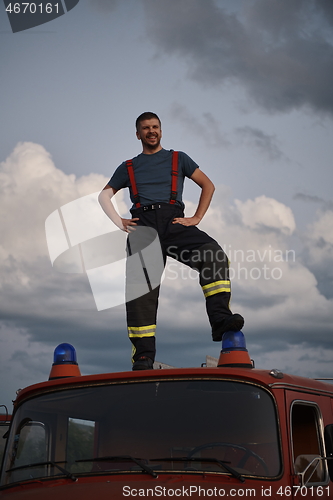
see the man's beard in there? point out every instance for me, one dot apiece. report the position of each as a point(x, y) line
point(152, 146)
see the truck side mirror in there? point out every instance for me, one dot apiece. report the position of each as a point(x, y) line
point(310, 468)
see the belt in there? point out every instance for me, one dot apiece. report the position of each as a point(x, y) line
point(148, 208)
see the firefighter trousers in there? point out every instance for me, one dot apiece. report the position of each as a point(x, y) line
point(154, 239)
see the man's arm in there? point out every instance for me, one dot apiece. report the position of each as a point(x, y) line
point(104, 199)
point(207, 190)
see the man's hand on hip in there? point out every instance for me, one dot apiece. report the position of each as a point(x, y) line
point(187, 221)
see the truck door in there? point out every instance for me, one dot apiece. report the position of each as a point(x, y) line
point(306, 425)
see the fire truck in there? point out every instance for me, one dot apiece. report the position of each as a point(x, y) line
point(230, 430)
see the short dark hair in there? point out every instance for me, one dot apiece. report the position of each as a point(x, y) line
point(147, 115)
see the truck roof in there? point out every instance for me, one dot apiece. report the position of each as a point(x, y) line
point(271, 379)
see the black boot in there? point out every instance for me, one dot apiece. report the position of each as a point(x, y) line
point(232, 323)
point(143, 363)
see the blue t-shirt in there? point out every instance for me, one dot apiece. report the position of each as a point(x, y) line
point(153, 176)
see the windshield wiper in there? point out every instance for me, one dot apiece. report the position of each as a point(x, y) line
point(40, 464)
point(229, 469)
point(125, 458)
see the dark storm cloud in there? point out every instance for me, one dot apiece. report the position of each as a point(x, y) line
point(308, 198)
point(282, 337)
point(56, 308)
point(207, 128)
point(257, 301)
point(280, 52)
point(327, 9)
point(264, 143)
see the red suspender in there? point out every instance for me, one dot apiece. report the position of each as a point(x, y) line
point(174, 179)
point(130, 171)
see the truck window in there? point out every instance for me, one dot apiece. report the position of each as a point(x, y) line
point(80, 443)
point(29, 446)
point(307, 442)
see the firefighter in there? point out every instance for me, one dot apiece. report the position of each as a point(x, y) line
point(155, 179)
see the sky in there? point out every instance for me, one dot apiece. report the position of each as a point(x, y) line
point(244, 87)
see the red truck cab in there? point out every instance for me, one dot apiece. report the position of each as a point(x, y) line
point(227, 431)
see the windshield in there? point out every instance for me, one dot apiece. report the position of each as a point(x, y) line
point(179, 425)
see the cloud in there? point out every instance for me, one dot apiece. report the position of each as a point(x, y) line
point(273, 288)
point(207, 129)
point(322, 228)
point(318, 251)
point(280, 52)
point(327, 9)
point(39, 306)
point(264, 143)
point(263, 212)
point(31, 188)
point(296, 359)
point(308, 198)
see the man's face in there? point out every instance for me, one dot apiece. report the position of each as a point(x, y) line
point(150, 133)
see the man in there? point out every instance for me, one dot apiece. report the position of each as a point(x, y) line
point(155, 179)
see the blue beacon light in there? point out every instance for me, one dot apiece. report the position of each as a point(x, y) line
point(64, 353)
point(64, 362)
point(233, 341)
point(234, 352)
